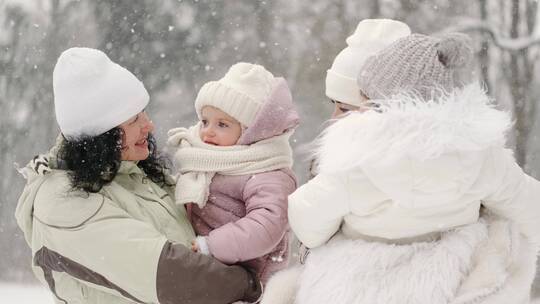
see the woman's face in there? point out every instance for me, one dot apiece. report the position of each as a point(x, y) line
point(341, 108)
point(218, 128)
point(134, 141)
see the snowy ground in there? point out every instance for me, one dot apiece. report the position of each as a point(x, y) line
point(19, 294)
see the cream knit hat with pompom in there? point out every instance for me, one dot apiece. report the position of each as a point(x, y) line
point(240, 93)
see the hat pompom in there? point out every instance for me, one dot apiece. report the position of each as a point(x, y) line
point(454, 50)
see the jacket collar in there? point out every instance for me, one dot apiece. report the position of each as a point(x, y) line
point(129, 167)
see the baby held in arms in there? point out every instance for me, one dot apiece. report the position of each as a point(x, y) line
point(234, 169)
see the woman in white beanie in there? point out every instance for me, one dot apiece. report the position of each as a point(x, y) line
point(98, 211)
point(417, 199)
point(370, 36)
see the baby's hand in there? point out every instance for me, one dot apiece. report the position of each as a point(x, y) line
point(199, 245)
point(194, 246)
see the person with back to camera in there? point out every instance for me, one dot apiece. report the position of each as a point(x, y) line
point(417, 199)
point(98, 211)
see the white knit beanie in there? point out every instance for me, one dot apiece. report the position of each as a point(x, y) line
point(92, 94)
point(371, 36)
point(240, 93)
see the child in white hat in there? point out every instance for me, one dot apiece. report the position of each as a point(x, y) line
point(235, 168)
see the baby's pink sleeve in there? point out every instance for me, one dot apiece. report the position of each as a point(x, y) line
point(264, 225)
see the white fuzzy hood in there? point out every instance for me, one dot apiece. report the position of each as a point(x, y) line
point(420, 154)
point(407, 127)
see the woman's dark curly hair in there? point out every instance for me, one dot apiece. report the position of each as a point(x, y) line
point(93, 161)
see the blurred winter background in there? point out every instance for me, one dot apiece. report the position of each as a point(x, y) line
point(174, 46)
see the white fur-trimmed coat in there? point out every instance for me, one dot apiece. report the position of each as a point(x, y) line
point(414, 168)
point(488, 262)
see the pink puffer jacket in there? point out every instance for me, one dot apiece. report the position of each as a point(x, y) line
point(245, 218)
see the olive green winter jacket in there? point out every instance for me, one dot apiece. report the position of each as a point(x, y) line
point(124, 244)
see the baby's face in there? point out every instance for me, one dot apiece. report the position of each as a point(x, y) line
point(218, 128)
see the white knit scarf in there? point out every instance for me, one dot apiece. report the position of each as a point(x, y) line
point(198, 162)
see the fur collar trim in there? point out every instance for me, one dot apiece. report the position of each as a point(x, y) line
point(409, 127)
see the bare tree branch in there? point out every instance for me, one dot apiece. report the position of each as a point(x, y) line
point(508, 44)
point(484, 50)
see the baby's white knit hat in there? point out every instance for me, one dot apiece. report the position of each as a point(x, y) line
point(92, 94)
point(240, 93)
point(371, 36)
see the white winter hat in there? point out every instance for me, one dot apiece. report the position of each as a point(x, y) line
point(92, 94)
point(240, 93)
point(371, 36)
